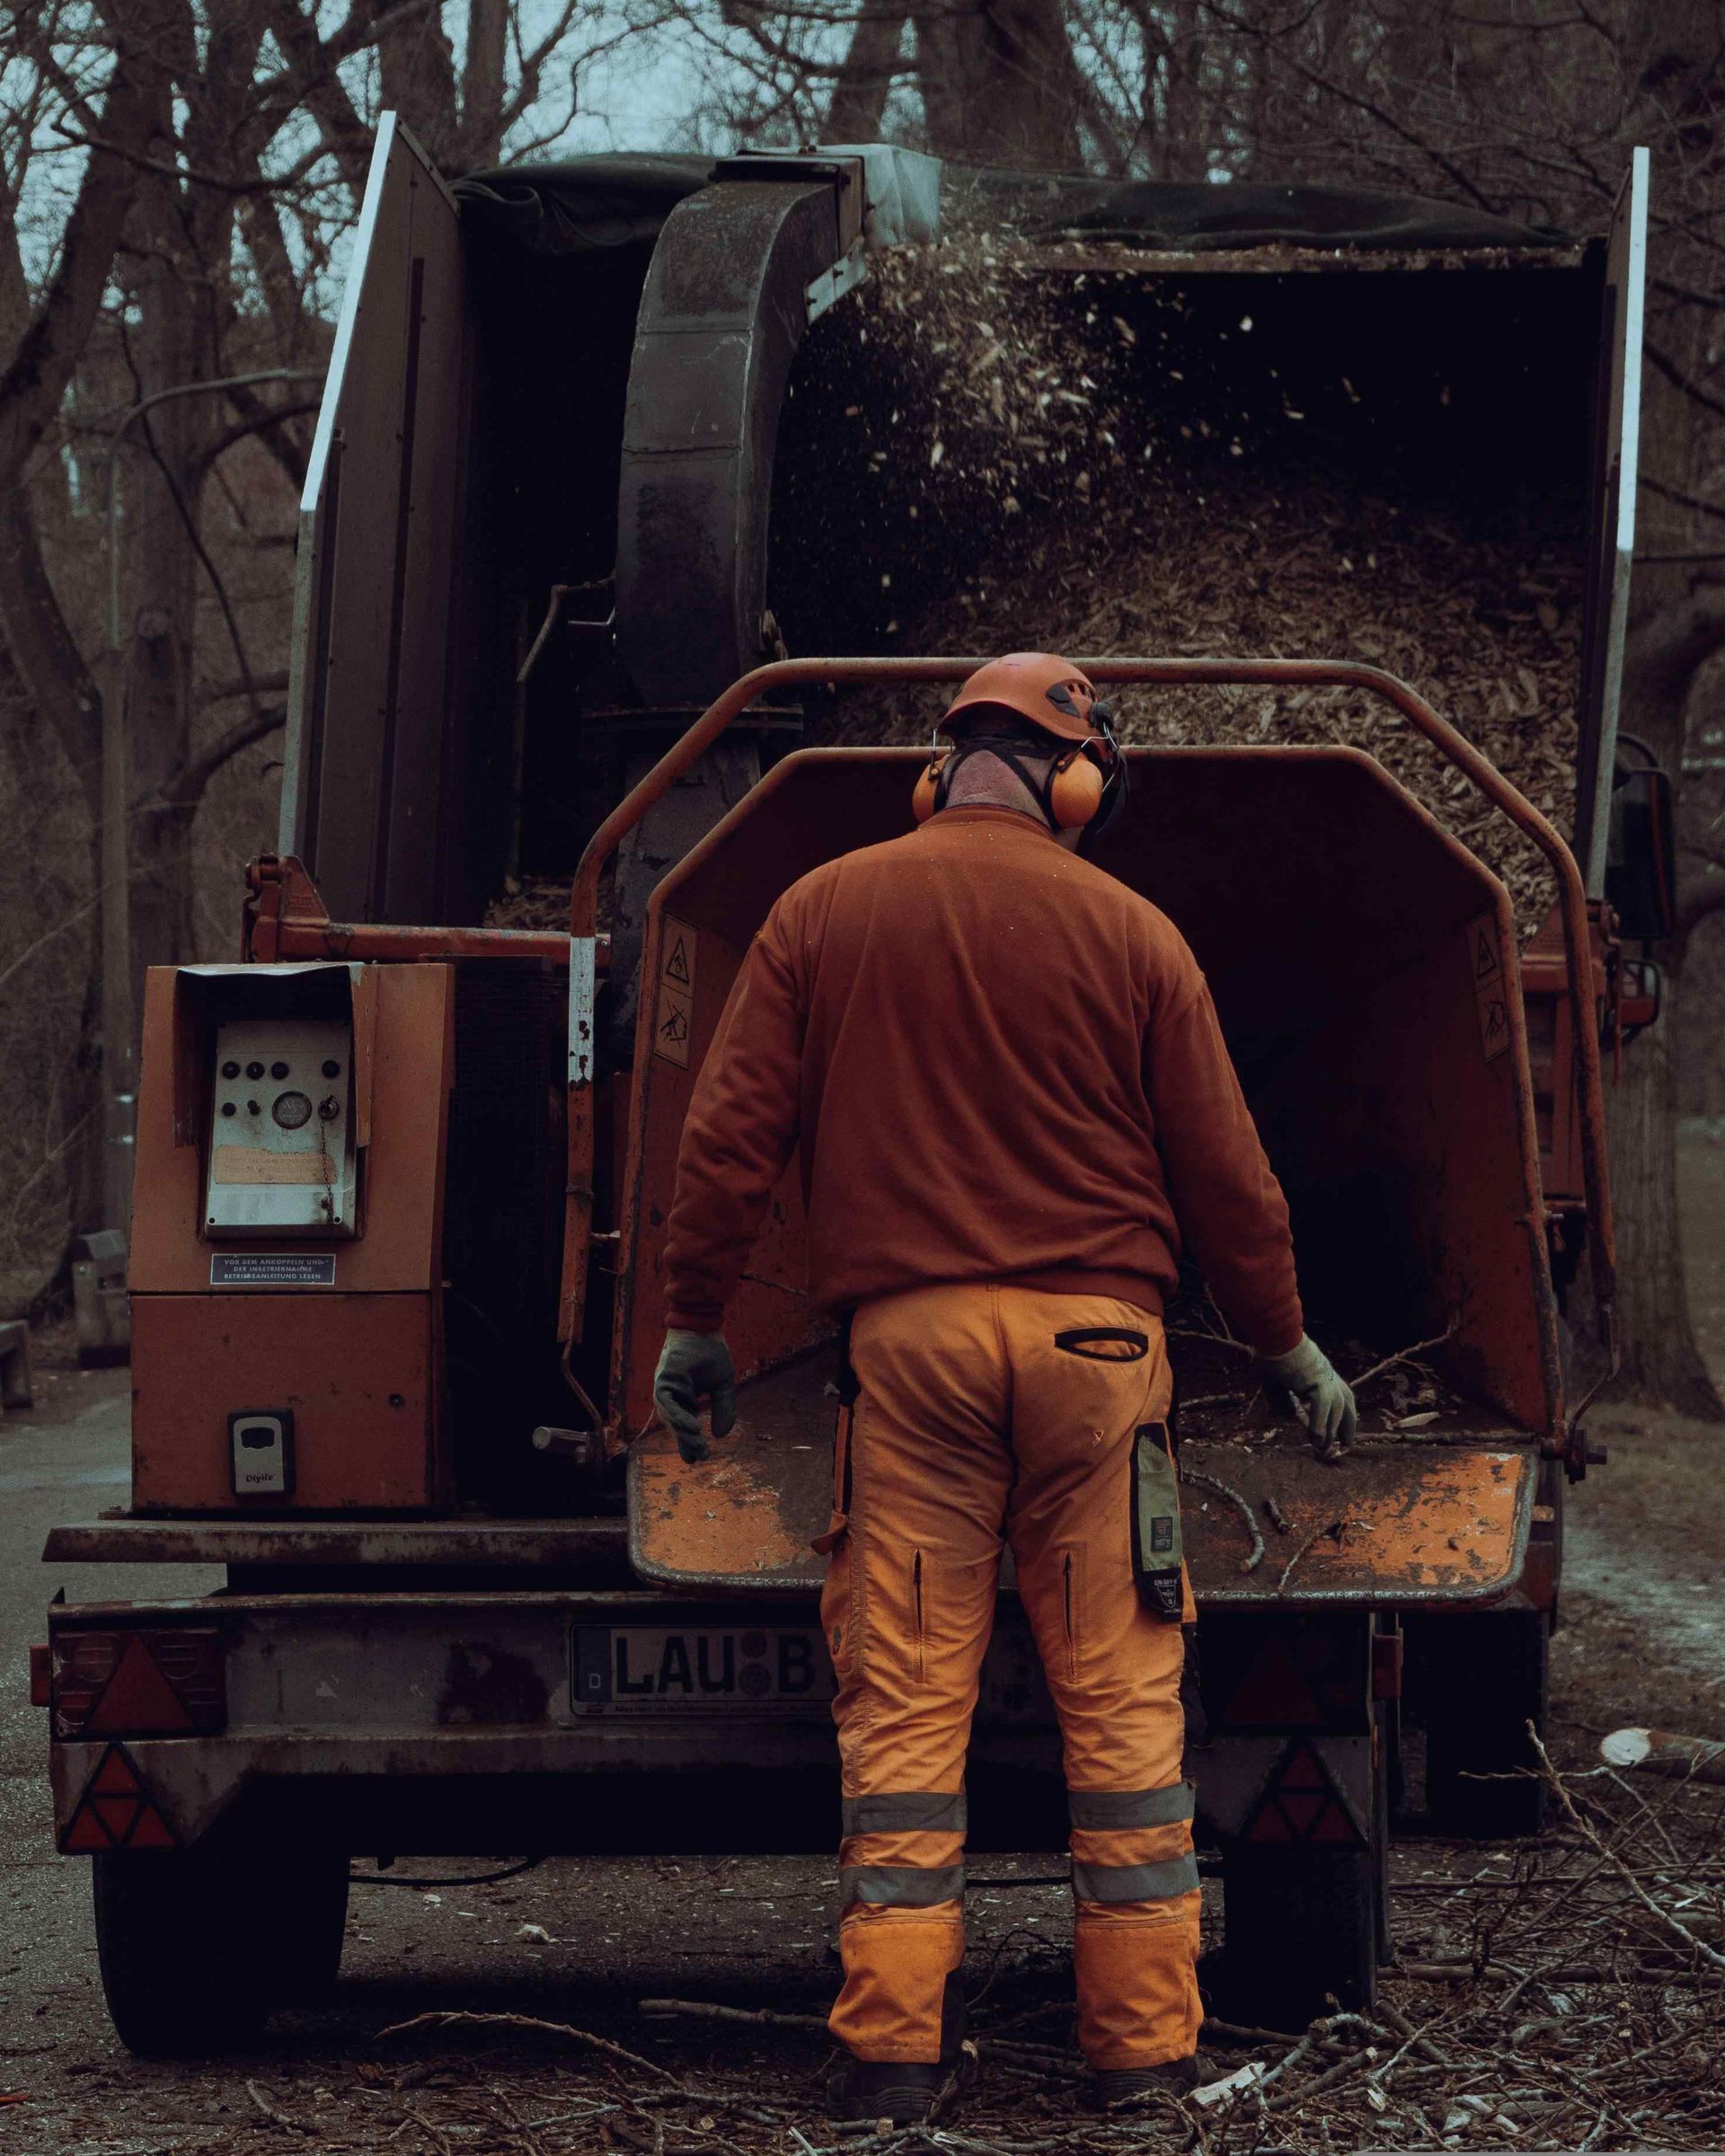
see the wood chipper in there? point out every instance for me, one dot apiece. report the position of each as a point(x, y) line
point(401, 1190)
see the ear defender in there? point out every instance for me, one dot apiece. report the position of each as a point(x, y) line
point(926, 799)
point(1074, 791)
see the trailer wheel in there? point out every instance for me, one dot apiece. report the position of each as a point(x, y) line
point(181, 1952)
point(310, 1927)
point(1482, 1678)
point(196, 1945)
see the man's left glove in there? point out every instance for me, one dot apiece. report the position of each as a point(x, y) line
point(1321, 1400)
point(694, 1366)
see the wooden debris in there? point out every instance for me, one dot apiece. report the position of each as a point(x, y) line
point(1663, 1751)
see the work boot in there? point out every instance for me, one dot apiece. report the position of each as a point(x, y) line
point(1124, 2082)
point(886, 2089)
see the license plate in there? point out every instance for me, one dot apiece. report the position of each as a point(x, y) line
point(701, 1669)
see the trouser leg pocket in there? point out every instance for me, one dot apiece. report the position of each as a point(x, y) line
point(1156, 1553)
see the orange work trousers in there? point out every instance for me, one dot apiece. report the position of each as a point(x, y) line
point(987, 1413)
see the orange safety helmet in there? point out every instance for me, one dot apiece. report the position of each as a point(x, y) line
point(1039, 686)
point(1087, 782)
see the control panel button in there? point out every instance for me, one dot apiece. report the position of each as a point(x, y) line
point(278, 1070)
point(230, 1069)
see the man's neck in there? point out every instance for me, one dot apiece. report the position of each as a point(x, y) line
point(983, 782)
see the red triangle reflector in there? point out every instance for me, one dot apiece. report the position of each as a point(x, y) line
point(1333, 1824)
point(1301, 1805)
point(1301, 1771)
point(1301, 1809)
point(115, 1812)
point(86, 1835)
point(115, 1777)
point(137, 1696)
point(150, 1830)
point(118, 1814)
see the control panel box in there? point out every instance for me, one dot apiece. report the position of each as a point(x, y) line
point(281, 1151)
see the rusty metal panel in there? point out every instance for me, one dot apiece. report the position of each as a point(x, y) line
point(1407, 1524)
point(1391, 1523)
point(357, 1373)
point(748, 1515)
point(374, 621)
point(433, 1544)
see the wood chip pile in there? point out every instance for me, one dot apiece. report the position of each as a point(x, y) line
point(981, 457)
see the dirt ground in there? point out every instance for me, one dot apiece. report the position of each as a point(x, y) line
point(1557, 2007)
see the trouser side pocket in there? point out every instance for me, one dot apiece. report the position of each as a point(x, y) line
point(1156, 1550)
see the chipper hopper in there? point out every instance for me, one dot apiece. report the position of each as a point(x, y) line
point(530, 1626)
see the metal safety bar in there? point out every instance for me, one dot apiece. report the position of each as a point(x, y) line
point(1169, 673)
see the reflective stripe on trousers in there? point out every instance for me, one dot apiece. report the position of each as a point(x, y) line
point(991, 1412)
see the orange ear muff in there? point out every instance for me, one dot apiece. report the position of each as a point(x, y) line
point(927, 796)
point(1075, 792)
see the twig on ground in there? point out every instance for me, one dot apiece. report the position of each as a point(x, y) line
point(275, 2118)
point(456, 2018)
point(701, 2010)
point(1555, 1781)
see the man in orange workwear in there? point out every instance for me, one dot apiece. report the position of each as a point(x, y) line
point(1015, 1111)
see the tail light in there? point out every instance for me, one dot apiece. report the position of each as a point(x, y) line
point(159, 1682)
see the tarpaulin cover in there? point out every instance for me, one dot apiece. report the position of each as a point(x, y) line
point(615, 199)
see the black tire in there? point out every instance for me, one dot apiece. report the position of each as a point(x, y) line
point(181, 1968)
point(1482, 1677)
point(1299, 1926)
point(196, 1945)
point(311, 1929)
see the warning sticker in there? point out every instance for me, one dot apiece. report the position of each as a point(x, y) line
point(677, 965)
point(272, 1269)
point(674, 1013)
point(1485, 964)
point(672, 1025)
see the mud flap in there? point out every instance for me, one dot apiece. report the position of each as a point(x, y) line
point(1156, 1549)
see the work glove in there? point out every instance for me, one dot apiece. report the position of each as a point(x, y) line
point(694, 1366)
point(1321, 1401)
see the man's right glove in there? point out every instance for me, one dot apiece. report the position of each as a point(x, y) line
point(692, 1367)
point(1321, 1401)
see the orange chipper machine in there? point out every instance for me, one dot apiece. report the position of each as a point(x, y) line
point(401, 1189)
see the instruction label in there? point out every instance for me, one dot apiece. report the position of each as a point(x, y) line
point(272, 1269)
point(673, 1009)
point(1485, 964)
